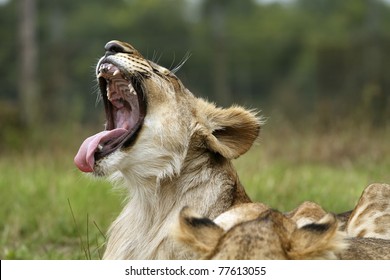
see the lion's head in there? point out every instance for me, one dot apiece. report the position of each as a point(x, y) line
point(271, 235)
point(153, 121)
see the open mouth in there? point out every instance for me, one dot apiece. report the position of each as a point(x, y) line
point(125, 108)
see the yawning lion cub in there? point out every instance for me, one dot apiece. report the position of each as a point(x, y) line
point(168, 147)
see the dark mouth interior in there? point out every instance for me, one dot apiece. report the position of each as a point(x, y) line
point(124, 105)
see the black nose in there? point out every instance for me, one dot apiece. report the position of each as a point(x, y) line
point(113, 47)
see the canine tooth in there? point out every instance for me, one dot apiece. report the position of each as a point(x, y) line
point(109, 95)
point(116, 72)
point(100, 147)
point(132, 91)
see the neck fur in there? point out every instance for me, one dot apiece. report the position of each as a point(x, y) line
point(142, 229)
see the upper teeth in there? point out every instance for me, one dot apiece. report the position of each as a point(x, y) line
point(105, 67)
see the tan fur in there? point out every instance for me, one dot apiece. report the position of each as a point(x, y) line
point(371, 216)
point(366, 249)
point(241, 213)
point(306, 213)
point(274, 236)
point(270, 236)
point(202, 234)
point(254, 231)
point(182, 156)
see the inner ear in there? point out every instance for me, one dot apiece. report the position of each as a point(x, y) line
point(232, 131)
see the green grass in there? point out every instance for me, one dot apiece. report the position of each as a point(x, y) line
point(39, 193)
point(331, 168)
point(284, 186)
point(49, 210)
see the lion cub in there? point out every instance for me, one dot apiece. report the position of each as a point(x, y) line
point(270, 236)
point(273, 236)
point(254, 231)
point(166, 147)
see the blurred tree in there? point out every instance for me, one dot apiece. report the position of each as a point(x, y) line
point(9, 32)
point(29, 91)
point(296, 56)
point(215, 15)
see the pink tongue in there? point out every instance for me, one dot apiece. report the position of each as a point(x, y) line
point(85, 159)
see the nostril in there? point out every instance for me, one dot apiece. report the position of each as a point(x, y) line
point(114, 47)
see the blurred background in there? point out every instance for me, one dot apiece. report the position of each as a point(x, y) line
point(317, 69)
point(303, 58)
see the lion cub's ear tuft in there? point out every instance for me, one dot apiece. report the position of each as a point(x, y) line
point(199, 233)
point(229, 132)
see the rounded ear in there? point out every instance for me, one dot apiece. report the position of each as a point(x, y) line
point(199, 233)
point(320, 240)
point(229, 132)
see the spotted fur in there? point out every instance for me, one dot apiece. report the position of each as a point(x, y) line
point(371, 216)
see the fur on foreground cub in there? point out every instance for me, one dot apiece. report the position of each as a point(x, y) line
point(169, 148)
point(254, 231)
